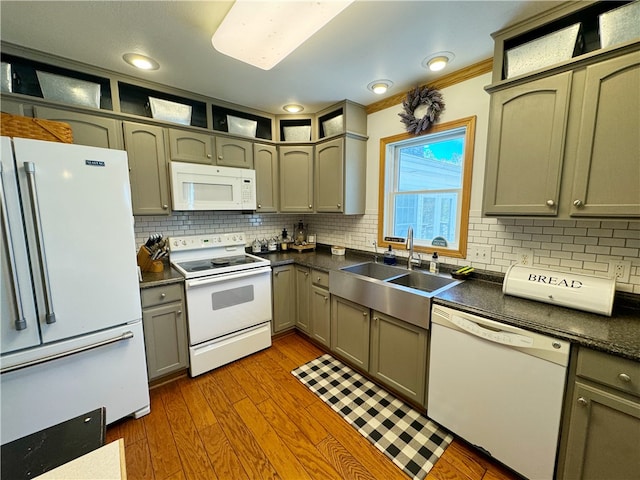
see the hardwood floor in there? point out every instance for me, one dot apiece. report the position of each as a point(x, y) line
point(253, 420)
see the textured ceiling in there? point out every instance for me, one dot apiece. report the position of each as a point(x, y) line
point(369, 40)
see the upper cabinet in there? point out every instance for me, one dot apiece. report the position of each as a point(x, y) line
point(231, 152)
point(563, 140)
point(606, 178)
point(87, 129)
point(344, 117)
point(296, 178)
point(340, 175)
point(265, 159)
point(191, 147)
point(525, 149)
point(147, 168)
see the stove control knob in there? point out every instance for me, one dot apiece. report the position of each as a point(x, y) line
point(184, 242)
point(233, 238)
point(175, 243)
point(219, 239)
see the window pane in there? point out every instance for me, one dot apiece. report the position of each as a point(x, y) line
point(431, 215)
point(431, 165)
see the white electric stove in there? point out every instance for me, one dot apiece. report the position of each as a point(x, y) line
point(228, 294)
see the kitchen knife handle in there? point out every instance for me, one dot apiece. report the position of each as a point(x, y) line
point(20, 322)
point(30, 170)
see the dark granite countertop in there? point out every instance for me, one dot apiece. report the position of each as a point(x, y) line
point(167, 276)
point(618, 334)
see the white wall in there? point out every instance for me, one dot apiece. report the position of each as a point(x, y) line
point(584, 246)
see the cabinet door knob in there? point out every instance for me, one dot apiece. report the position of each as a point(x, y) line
point(364, 314)
point(550, 203)
point(577, 203)
point(259, 205)
point(208, 155)
point(318, 280)
point(339, 205)
point(162, 295)
point(179, 312)
point(164, 207)
point(582, 401)
point(310, 206)
point(325, 298)
point(624, 377)
point(276, 273)
point(219, 157)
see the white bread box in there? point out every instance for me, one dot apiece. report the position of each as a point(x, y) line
point(573, 290)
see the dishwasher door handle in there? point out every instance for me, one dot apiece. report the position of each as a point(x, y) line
point(503, 337)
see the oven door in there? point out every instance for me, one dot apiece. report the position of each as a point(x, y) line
point(227, 303)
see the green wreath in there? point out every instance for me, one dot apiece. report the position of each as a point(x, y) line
point(419, 99)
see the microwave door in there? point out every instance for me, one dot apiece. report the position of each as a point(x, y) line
point(216, 194)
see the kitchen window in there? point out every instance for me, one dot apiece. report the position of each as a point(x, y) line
point(425, 183)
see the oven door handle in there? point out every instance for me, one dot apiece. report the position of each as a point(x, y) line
point(225, 277)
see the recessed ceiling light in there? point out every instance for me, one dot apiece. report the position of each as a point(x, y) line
point(263, 33)
point(293, 108)
point(437, 61)
point(380, 86)
point(141, 61)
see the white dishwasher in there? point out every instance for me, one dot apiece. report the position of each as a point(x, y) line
point(498, 387)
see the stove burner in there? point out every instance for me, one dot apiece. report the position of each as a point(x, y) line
point(220, 262)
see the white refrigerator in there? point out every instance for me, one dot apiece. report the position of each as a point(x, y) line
point(71, 321)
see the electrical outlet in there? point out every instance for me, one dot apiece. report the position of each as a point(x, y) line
point(620, 270)
point(480, 253)
point(525, 257)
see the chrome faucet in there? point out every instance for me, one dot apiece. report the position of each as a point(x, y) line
point(409, 246)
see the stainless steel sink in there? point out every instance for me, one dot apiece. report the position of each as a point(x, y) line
point(378, 271)
point(396, 291)
point(422, 281)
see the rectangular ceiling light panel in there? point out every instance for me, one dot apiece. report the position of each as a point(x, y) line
point(262, 33)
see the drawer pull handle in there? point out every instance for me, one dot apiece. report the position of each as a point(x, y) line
point(550, 203)
point(582, 401)
point(325, 298)
point(624, 377)
point(162, 295)
point(578, 203)
point(364, 314)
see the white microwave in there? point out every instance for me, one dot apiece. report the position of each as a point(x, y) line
point(207, 187)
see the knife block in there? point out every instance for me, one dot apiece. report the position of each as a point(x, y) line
point(146, 264)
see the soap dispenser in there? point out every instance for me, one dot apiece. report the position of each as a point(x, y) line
point(389, 257)
point(434, 266)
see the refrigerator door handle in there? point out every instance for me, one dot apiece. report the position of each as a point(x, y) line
point(109, 341)
point(30, 170)
point(20, 321)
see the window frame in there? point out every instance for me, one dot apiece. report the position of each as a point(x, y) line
point(468, 123)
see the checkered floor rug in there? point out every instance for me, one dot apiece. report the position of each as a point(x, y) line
point(412, 441)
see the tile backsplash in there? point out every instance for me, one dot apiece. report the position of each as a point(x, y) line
point(584, 246)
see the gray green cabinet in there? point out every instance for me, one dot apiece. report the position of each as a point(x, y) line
point(350, 326)
point(284, 303)
point(525, 148)
point(340, 175)
point(11, 106)
point(606, 180)
point(147, 168)
point(232, 152)
point(296, 178)
point(567, 145)
point(191, 147)
point(399, 356)
point(603, 434)
point(320, 308)
point(165, 330)
point(87, 129)
point(303, 289)
point(265, 159)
